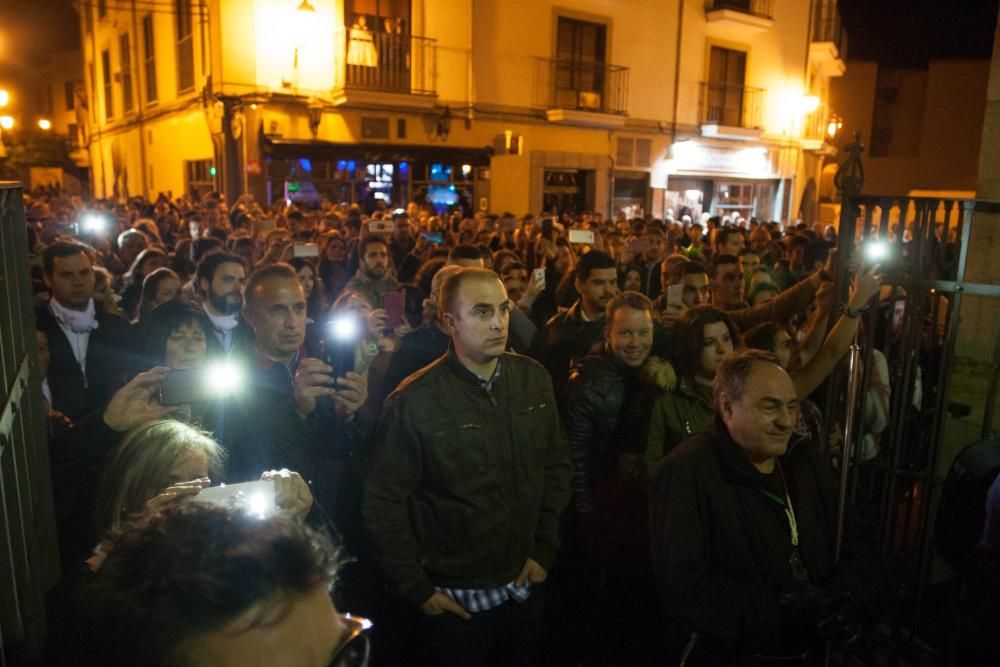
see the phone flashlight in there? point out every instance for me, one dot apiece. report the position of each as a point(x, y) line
point(223, 378)
point(345, 327)
point(876, 251)
point(93, 223)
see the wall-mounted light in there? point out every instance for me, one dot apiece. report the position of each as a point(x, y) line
point(315, 109)
point(834, 126)
point(7, 122)
point(4, 98)
point(45, 124)
point(442, 124)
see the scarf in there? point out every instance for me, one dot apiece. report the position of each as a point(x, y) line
point(77, 321)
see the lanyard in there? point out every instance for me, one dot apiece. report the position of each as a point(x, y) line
point(785, 504)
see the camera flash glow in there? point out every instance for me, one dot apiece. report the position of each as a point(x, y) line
point(93, 222)
point(345, 328)
point(257, 505)
point(876, 251)
point(224, 378)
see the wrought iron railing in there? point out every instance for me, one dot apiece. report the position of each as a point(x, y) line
point(762, 8)
point(582, 85)
point(729, 105)
point(827, 26)
point(387, 62)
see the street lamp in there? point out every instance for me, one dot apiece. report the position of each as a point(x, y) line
point(45, 124)
point(4, 98)
point(7, 122)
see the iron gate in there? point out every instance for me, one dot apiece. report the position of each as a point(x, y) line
point(929, 241)
point(28, 554)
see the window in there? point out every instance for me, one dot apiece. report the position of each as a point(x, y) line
point(109, 107)
point(725, 89)
point(897, 114)
point(102, 8)
point(185, 46)
point(69, 89)
point(580, 69)
point(125, 59)
point(149, 57)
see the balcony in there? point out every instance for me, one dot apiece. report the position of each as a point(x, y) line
point(727, 111)
point(828, 46)
point(577, 92)
point(385, 70)
point(819, 128)
point(752, 15)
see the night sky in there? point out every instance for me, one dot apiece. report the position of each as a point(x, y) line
point(893, 32)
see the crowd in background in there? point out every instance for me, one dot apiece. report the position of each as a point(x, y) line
point(565, 424)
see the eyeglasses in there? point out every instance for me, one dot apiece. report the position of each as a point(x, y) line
point(355, 648)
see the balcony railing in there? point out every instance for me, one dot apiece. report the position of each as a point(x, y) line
point(827, 26)
point(762, 8)
point(581, 85)
point(730, 105)
point(388, 62)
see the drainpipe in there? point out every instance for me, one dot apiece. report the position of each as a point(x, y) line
point(470, 98)
point(139, 101)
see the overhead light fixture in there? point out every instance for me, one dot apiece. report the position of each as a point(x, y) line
point(45, 124)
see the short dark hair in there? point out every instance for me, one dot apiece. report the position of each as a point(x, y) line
point(156, 326)
point(191, 569)
point(761, 337)
point(693, 267)
point(203, 246)
point(592, 261)
point(64, 249)
point(513, 266)
point(689, 336)
point(722, 236)
point(722, 260)
point(278, 270)
point(452, 285)
point(211, 262)
point(370, 239)
point(734, 370)
point(464, 251)
point(634, 300)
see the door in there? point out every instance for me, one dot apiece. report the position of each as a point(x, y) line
point(580, 64)
point(727, 74)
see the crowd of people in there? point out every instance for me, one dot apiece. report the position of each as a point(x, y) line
point(529, 446)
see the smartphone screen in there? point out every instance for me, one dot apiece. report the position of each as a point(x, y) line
point(675, 295)
point(305, 250)
point(539, 277)
point(433, 237)
point(393, 303)
point(584, 236)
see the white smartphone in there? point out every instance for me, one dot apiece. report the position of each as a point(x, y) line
point(380, 226)
point(582, 236)
point(305, 250)
point(675, 296)
point(258, 498)
point(539, 277)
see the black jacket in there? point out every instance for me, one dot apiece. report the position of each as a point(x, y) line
point(418, 349)
point(721, 547)
point(598, 390)
point(567, 336)
point(108, 359)
point(466, 484)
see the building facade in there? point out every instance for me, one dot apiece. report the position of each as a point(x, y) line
point(492, 104)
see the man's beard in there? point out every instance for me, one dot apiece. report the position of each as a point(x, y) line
point(222, 304)
point(375, 272)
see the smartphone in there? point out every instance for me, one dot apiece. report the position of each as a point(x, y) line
point(436, 238)
point(339, 342)
point(675, 296)
point(637, 245)
point(380, 226)
point(258, 498)
point(539, 277)
point(305, 250)
point(393, 303)
point(583, 236)
point(183, 386)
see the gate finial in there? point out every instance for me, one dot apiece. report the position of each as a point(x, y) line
point(851, 175)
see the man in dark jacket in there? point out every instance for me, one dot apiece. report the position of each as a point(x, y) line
point(580, 330)
point(743, 527)
point(87, 346)
point(469, 477)
point(607, 564)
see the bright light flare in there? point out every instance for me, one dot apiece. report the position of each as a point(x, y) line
point(224, 378)
point(345, 327)
point(94, 223)
point(7, 122)
point(4, 98)
point(45, 124)
point(876, 251)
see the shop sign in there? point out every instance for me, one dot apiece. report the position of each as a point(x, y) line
point(750, 162)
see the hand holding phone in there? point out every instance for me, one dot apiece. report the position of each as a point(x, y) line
point(305, 250)
point(393, 303)
point(538, 275)
point(581, 236)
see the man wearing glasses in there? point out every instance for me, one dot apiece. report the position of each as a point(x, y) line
point(469, 477)
point(201, 585)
